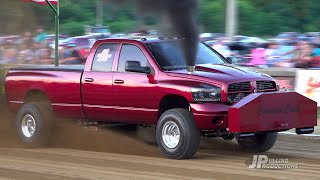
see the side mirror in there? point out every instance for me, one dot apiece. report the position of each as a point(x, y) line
point(135, 66)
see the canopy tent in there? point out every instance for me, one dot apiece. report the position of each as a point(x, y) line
point(43, 2)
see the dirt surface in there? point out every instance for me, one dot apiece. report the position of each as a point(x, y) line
point(113, 153)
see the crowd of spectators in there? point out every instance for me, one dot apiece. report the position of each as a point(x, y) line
point(299, 54)
point(29, 49)
point(26, 49)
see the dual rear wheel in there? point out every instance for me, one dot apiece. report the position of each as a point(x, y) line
point(34, 123)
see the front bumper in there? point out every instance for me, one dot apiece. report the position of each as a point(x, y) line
point(210, 116)
point(258, 112)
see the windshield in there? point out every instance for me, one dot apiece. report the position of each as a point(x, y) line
point(169, 55)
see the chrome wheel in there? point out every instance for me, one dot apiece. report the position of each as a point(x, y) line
point(171, 134)
point(28, 125)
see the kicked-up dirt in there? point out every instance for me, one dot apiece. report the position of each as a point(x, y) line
point(77, 152)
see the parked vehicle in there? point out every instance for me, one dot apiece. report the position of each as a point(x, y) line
point(146, 82)
point(97, 30)
point(78, 41)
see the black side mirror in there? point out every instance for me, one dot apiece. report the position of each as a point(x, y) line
point(135, 66)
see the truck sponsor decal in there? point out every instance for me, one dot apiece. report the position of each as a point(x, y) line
point(104, 55)
point(279, 110)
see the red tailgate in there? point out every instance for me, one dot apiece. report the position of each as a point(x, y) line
point(272, 111)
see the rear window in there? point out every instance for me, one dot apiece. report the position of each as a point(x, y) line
point(104, 57)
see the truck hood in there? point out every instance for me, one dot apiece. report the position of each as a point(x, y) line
point(224, 73)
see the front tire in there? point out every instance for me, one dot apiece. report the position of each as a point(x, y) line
point(177, 134)
point(259, 143)
point(34, 124)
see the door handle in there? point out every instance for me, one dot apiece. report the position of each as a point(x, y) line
point(88, 79)
point(118, 81)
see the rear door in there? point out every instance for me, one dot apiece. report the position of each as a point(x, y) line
point(134, 93)
point(97, 97)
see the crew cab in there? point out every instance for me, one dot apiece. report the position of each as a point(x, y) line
point(146, 82)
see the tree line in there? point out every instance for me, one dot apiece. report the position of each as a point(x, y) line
point(256, 17)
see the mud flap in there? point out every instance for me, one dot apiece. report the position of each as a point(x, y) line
point(274, 111)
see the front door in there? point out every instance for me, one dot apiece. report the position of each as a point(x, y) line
point(97, 97)
point(134, 93)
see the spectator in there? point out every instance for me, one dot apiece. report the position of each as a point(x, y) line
point(74, 58)
point(272, 54)
point(26, 38)
point(25, 54)
point(41, 37)
point(315, 50)
point(47, 57)
point(9, 53)
point(221, 48)
point(39, 51)
point(257, 56)
point(315, 57)
point(302, 55)
point(316, 41)
point(285, 48)
point(66, 52)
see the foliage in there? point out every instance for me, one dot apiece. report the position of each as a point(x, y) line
point(256, 17)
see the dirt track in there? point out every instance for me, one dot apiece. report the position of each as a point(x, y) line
point(84, 153)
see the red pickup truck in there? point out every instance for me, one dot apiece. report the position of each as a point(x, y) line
point(147, 82)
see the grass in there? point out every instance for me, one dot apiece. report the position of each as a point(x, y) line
point(318, 113)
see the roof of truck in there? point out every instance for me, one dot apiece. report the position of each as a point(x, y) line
point(143, 40)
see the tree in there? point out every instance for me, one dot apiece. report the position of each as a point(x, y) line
point(256, 17)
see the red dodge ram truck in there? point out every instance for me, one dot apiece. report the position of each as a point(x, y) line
point(147, 82)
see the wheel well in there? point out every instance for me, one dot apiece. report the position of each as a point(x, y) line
point(171, 102)
point(36, 96)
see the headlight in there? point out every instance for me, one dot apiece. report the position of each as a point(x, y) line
point(206, 93)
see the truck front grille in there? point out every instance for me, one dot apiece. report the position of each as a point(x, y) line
point(266, 86)
point(238, 91)
point(239, 87)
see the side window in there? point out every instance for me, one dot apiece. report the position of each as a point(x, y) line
point(131, 53)
point(103, 59)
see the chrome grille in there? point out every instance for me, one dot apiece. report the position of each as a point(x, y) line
point(264, 86)
point(238, 91)
point(239, 87)
point(236, 97)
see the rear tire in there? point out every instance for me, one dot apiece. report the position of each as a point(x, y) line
point(177, 134)
point(34, 124)
point(260, 143)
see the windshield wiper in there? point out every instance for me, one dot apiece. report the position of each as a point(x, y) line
point(175, 68)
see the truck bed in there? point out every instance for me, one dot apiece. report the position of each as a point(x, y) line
point(60, 85)
point(50, 68)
